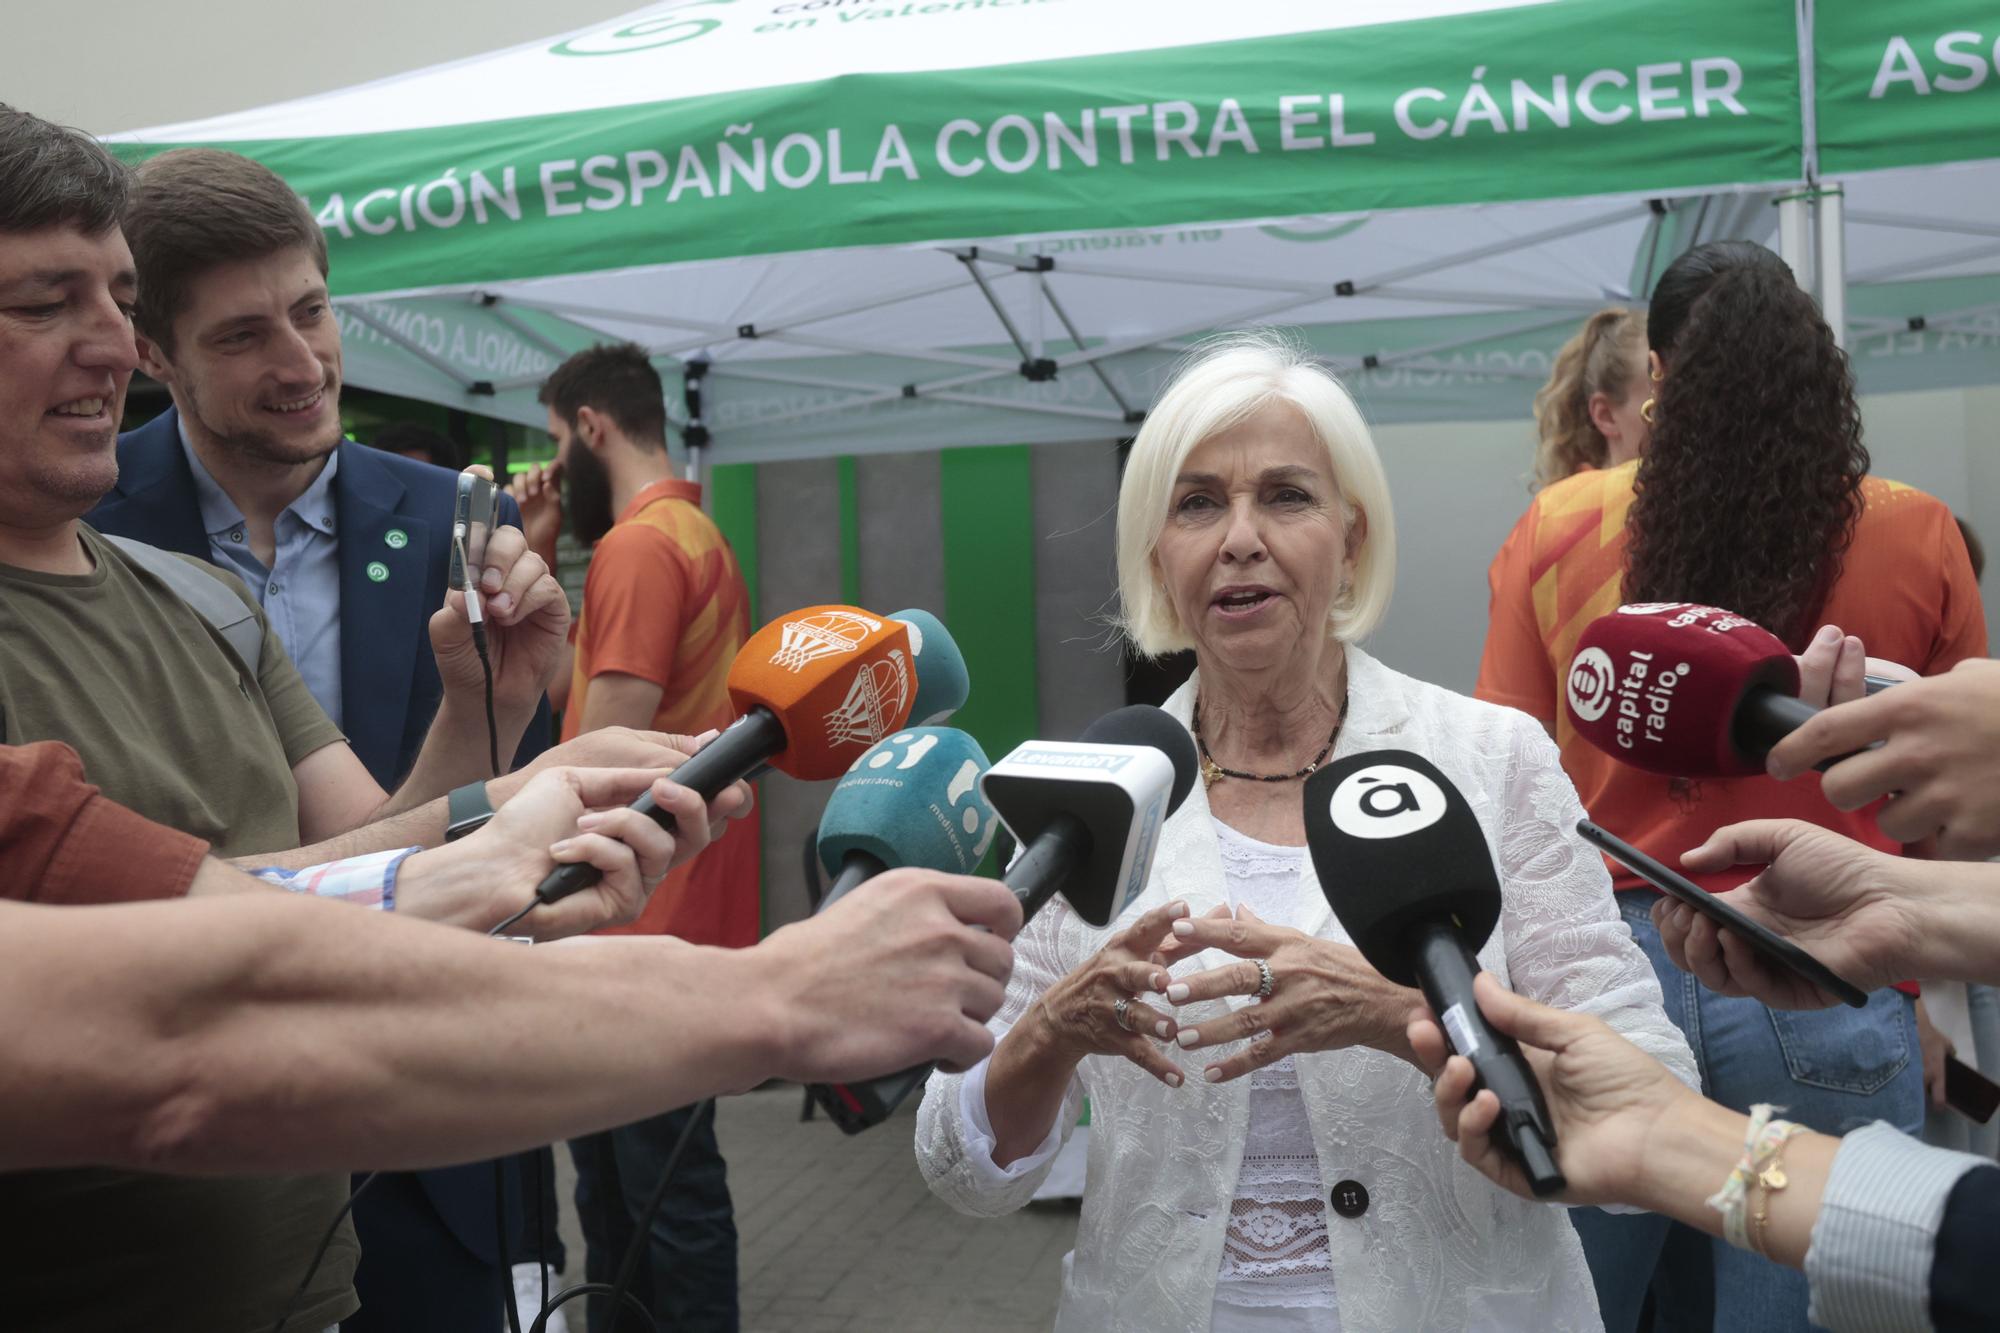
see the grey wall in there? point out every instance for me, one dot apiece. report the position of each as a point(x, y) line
point(1079, 673)
point(798, 556)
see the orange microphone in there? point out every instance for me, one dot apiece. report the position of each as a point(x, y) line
point(816, 689)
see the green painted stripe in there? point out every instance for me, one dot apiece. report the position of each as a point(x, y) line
point(987, 503)
point(732, 499)
point(732, 492)
point(850, 533)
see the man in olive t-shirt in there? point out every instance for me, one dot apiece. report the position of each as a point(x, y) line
point(95, 652)
point(172, 723)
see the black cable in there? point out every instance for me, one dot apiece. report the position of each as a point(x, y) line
point(541, 1229)
point(319, 1255)
point(500, 1236)
point(583, 1289)
point(628, 1270)
point(486, 667)
point(501, 929)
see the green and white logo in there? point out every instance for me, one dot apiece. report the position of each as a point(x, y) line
point(395, 539)
point(646, 35)
point(377, 572)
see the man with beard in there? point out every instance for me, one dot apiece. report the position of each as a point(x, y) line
point(346, 548)
point(664, 612)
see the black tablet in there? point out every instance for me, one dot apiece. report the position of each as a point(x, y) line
point(1760, 937)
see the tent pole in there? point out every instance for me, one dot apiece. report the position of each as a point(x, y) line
point(1794, 237)
point(1833, 263)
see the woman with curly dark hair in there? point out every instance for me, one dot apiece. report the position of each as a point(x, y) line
point(1753, 494)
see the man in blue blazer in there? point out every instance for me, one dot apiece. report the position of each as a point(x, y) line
point(391, 524)
point(348, 550)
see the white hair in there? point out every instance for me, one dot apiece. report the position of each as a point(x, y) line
point(1223, 384)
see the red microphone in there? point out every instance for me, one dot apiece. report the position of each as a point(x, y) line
point(1683, 690)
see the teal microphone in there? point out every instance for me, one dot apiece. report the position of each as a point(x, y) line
point(912, 800)
point(942, 683)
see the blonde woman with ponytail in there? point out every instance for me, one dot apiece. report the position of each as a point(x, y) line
point(1591, 413)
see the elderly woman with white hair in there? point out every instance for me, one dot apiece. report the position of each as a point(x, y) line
point(1263, 1152)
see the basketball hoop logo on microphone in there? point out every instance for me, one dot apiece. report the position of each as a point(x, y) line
point(823, 635)
point(1591, 682)
point(1386, 801)
point(876, 699)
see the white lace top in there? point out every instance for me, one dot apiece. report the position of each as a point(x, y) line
point(1436, 1244)
point(1275, 1250)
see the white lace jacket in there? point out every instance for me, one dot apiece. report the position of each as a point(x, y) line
point(1438, 1246)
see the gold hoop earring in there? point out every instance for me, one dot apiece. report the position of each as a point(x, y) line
point(1646, 411)
point(1654, 375)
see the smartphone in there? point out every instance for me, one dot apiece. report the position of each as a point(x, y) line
point(1759, 937)
point(471, 525)
point(1969, 1092)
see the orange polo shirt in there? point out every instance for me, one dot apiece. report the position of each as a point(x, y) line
point(665, 601)
point(1906, 588)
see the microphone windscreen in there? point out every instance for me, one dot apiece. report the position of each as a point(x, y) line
point(1143, 724)
point(1395, 844)
point(942, 683)
point(912, 800)
point(837, 677)
point(1657, 685)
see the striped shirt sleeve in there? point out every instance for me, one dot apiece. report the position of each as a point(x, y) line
point(1869, 1264)
point(365, 881)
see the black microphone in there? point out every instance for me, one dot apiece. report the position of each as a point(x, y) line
point(1405, 866)
point(1088, 813)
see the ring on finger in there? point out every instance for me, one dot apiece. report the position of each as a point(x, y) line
point(1119, 1008)
point(1267, 980)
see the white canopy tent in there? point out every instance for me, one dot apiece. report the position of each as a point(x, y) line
point(1059, 198)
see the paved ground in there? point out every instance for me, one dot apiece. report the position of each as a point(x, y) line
point(841, 1233)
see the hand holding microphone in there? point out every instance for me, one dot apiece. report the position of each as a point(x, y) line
point(1608, 1099)
point(815, 688)
point(1405, 866)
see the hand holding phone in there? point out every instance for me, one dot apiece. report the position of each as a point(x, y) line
point(1771, 945)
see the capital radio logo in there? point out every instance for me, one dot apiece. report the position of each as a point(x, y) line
point(1592, 680)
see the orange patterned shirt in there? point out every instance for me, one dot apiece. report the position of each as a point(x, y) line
point(1906, 589)
point(665, 601)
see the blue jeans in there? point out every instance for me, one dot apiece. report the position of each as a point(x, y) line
point(1831, 1069)
point(688, 1278)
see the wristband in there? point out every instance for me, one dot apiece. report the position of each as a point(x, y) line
point(466, 810)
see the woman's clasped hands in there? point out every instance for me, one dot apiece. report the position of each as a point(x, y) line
point(1306, 994)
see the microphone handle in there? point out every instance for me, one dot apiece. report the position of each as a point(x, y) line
point(1047, 862)
point(743, 744)
point(1766, 716)
point(1445, 969)
point(1043, 868)
point(858, 1106)
point(857, 869)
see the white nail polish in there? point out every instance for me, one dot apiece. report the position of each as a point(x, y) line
point(1183, 928)
point(1177, 992)
point(1161, 1028)
point(1173, 1078)
point(1188, 1037)
point(1214, 1073)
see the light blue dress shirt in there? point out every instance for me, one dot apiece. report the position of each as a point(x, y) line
point(300, 593)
